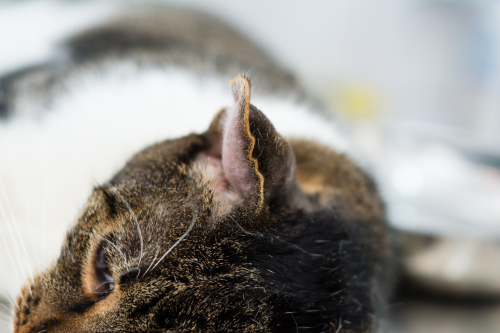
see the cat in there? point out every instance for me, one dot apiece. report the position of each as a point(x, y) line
point(253, 221)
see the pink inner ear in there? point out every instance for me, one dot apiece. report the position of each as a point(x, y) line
point(213, 166)
point(235, 163)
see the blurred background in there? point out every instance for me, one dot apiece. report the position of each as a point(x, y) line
point(415, 85)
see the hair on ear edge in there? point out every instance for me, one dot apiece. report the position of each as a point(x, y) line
point(249, 76)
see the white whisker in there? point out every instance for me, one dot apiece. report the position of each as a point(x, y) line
point(5, 321)
point(10, 293)
point(6, 315)
point(340, 326)
point(156, 255)
point(29, 233)
point(106, 240)
point(195, 216)
point(9, 253)
point(246, 232)
point(44, 211)
point(35, 253)
point(11, 290)
point(7, 308)
point(20, 240)
point(115, 191)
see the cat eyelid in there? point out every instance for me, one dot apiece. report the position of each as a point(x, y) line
point(103, 282)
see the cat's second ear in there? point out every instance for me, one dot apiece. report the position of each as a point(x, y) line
point(257, 162)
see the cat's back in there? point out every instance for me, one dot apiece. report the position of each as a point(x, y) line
point(149, 37)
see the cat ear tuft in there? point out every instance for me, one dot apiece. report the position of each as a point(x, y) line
point(241, 87)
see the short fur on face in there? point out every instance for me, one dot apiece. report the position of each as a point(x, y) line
point(232, 230)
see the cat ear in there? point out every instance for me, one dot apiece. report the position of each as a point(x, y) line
point(257, 162)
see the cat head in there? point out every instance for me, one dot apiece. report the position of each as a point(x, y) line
point(210, 232)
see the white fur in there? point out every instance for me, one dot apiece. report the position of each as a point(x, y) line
point(48, 166)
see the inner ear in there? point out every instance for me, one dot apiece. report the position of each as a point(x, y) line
point(210, 161)
point(215, 133)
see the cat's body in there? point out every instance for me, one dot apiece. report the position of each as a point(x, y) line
point(230, 229)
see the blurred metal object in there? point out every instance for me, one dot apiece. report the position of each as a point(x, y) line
point(458, 266)
point(436, 185)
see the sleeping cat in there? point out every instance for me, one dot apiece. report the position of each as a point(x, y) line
point(253, 221)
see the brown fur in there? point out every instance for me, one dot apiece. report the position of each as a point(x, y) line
point(335, 180)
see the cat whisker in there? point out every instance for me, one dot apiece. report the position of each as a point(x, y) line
point(156, 255)
point(6, 315)
point(68, 250)
point(257, 313)
point(181, 324)
point(130, 270)
point(213, 292)
point(35, 254)
point(10, 293)
point(296, 326)
point(19, 240)
point(9, 252)
point(300, 249)
point(45, 206)
point(246, 232)
point(6, 308)
point(340, 326)
point(25, 253)
point(115, 191)
point(106, 240)
point(195, 217)
point(102, 284)
point(5, 321)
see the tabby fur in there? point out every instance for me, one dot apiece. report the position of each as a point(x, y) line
point(236, 229)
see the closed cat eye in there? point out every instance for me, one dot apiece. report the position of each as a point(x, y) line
point(103, 283)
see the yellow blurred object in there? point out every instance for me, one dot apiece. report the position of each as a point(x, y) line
point(356, 102)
